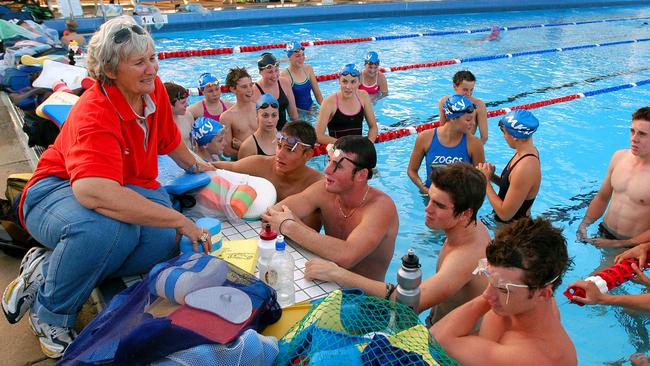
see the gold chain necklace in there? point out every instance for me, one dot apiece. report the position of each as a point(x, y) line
point(363, 200)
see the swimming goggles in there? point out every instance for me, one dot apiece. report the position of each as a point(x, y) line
point(350, 69)
point(124, 34)
point(267, 104)
point(333, 152)
point(291, 141)
point(270, 66)
point(182, 94)
point(372, 63)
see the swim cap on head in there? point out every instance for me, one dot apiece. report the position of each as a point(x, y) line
point(266, 100)
point(457, 105)
point(350, 69)
point(267, 59)
point(204, 129)
point(293, 47)
point(205, 79)
point(520, 123)
point(372, 56)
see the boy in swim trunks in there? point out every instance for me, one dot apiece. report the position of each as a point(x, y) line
point(241, 118)
point(463, 84)
point(624, 196)
point(211, 106)
point(183, 118)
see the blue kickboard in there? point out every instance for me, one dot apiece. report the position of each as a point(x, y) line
point(57, 112)
point(175, 180)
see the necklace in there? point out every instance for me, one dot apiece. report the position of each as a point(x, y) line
point(363, 200)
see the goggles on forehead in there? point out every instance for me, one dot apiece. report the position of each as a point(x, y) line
point(267, 104)
point(270, 66)
point(336, 153)
point(291, 141)
point(124, 34)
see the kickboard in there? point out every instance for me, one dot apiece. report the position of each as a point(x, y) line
point(175, 180)
point(57, 106)
point(55, 71)
point(57, 113)
point(31, 60)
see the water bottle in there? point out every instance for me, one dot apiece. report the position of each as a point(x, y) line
point(409, 277)
point(265, 248)
point(280, 274)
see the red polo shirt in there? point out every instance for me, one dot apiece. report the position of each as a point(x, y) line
point(101, 138)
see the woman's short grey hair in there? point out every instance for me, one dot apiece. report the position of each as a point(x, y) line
point(104, 54)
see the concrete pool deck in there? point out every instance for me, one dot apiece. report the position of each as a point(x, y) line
point(19, 346)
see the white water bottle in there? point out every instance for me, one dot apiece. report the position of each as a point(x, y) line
point(265, 249)
point(280, 274)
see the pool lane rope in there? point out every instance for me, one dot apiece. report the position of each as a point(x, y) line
point(334, 76)
point(240, 49)
point(412, 130)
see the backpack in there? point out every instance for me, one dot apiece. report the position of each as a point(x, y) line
point(40, 131)
point(14, 239)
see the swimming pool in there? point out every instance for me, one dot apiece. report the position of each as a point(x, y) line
point(576, 138)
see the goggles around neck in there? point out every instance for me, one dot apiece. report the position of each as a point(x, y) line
point(124, 34)
point(291, 141)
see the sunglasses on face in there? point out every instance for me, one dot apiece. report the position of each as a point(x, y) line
point(270, 66)
point(336, 153)
point(124, 34)
point(291, 141)
point(267, 104)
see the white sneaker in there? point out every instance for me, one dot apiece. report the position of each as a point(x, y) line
point(20, 294)
point(53, 340)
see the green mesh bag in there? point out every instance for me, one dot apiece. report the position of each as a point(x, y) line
point(351, 329)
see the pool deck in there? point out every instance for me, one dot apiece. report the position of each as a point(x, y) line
point(19, 346)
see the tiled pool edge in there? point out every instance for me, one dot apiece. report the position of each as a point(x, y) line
point(312, 12)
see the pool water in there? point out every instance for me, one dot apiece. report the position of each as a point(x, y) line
point(576, 139)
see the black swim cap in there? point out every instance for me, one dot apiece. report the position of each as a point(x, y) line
point(266, 59)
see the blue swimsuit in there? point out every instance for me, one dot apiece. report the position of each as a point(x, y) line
point(439, 155)
point(302, 92)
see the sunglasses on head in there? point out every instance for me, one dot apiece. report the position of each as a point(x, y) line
point(291, 141)
point(270, 66)
point(267, 104)
point(124, 34)
point(333, 152)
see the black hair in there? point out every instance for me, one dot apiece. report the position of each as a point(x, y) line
point(363, 148)
point(465, 185)
point(463, 75)
point(301, 130)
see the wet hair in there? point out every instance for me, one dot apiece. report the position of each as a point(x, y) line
point(363, 148)
point(465, 185)
point(535, 246)
point(104, 54)
point(301, 130)
point(642, 114)
point(175, 92)
point(234, 75)
point(463, 75)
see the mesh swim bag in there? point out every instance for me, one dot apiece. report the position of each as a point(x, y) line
point(351, 329)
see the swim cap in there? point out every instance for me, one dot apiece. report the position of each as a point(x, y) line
point(372, 56)
point(266, 100)
point(350, 69)
point(205, 79)
point(204, 129)
point(267, 59)
point(457, 105)
point(293, 47)
point(520, 123)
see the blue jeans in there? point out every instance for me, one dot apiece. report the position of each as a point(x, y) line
point(88, 247)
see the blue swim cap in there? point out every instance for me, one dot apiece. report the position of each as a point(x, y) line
point(204, 129)
point(520, 123)
point(293, 47)
point(457, 105)
point(266, 100)
point(205, 79)
point(350, 69)
point(372, 56)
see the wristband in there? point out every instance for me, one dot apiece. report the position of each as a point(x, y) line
point(390, 288)
point(283, 221)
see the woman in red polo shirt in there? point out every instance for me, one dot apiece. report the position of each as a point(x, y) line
point(94, 201)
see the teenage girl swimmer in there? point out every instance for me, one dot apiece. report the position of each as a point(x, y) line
point(494, 34)
point(264, 140)
point(280, 87)
point(448, 143)
point(207, 136)
point(463, 84)
point(342, 113)
point(211, 106)
point(303, 79)
point(520, 180)
point(372, 80)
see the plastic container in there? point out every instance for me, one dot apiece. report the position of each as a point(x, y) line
point(280, 274)
point(265, 248)
point(409, 277)
point(210, 223)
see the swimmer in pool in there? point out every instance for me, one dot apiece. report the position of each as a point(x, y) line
point(372, 80)
point(463, 84)
point(494, 34)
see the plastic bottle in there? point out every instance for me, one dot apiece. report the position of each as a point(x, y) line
point(409, 277)
point(280, 274)
point(265, 248)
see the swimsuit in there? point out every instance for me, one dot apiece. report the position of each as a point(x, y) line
point(504, 185)
point(259, 148)
point(283, 103)
point(440, 155)
point(216, 117)
point(343, 124)
point(371, 89)
point(605, 232)
point(302, 92)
